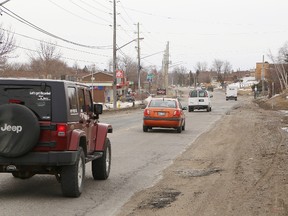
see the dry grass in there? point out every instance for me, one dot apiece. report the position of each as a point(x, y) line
point(278, 102)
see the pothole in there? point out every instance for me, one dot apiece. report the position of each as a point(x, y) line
point(198, 172)
point(160, 199)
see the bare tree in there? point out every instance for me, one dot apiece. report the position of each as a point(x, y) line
point(48, 62)
point(218, 67)
point(48, 51)
point(227, 69)
point(129, 67)
point(179, 76)
point(283, 53)
point(278, 62)
point(7, 45)
point(201, 66)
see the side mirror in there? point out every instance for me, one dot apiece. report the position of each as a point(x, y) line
point(97, 109)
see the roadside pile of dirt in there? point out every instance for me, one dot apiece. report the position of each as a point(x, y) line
point(278, 102)
point(239, 167)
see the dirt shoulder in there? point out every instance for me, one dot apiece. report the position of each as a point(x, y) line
point(240, 167)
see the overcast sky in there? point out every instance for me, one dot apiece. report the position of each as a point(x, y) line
point(239, 32)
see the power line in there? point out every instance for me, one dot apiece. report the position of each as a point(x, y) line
point(147, 13)
point(54, 44)
point(20, 19)
point(77, 14)
point(101, 4)
point(106, 12)
point(108, 21)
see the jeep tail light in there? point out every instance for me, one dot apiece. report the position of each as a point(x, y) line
point(15, 101)
point(61, 130)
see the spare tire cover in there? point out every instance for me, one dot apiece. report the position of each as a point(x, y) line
point(19, 130)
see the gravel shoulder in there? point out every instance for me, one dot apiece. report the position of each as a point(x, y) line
point(237, 168)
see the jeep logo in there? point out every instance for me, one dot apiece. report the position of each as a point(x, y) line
point(12, 128)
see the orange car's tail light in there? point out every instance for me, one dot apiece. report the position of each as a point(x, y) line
point(177, 113)
point(146, 112)
point(61, 130)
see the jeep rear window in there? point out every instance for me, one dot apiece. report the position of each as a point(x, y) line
point(35, 98)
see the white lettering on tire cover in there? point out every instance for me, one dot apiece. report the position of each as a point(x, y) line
point(13, 128)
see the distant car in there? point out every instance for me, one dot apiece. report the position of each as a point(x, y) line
point(164, 113)
point(199, 99)
point(129, 98)
point(161, 91)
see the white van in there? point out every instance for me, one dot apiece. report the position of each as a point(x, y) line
point(199, 99)
point(231, 93)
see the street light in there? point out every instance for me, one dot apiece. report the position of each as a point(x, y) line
point(129, 43)
point(114, 68)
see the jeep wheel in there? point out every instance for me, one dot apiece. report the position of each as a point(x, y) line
point(101, 166)
point(72, 176)
point(19, 130)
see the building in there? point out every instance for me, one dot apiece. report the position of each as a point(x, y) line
point(258, 71)
point(102, 84)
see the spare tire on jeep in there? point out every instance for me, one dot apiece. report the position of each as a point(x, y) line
point(19, 130)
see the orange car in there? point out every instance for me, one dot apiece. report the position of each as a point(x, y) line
point(164, 113)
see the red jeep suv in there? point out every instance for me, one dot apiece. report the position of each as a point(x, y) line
point(52, 127)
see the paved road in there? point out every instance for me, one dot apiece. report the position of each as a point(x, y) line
point(137, 161)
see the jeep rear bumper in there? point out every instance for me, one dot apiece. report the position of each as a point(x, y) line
point(42, 159)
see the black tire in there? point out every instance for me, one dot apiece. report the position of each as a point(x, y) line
point(183, 126)
point(22, 175)
point(101, 166)
point(189, 109)
point(179, 129)
point(72, 176)
point(19, 130)
point(145, 128)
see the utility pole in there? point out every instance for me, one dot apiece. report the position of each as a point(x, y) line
point(138, 51)
point(165, 66)
point(263, 76)
point(114, 56)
